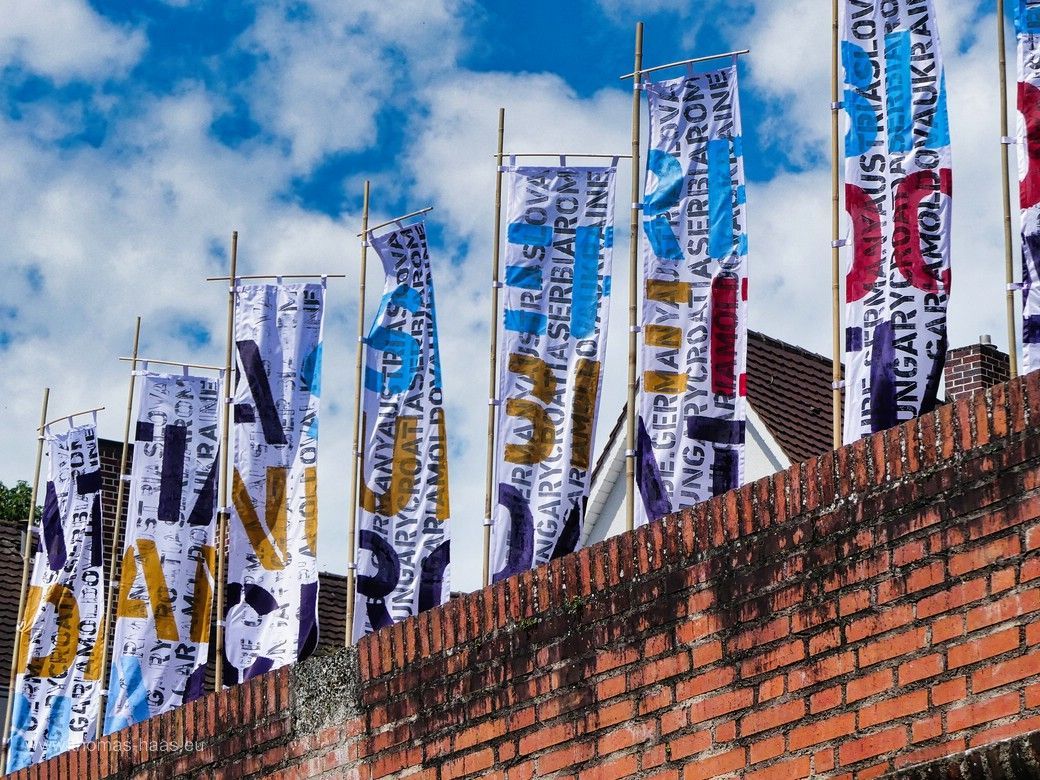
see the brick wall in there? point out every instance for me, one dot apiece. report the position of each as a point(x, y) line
point(973, 368)
point(866, 611)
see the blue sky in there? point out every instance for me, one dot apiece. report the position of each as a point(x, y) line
point(134, 136)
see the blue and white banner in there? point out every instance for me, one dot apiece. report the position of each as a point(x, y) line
point(57, 694)
point(271, 610)
point(403, 539)
point(1027, 22)
point(898, 193)
point(691, 427)
point(167, 579)
point(558, 255)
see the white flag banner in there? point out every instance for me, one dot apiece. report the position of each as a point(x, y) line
point(558, 255)
point(271, 612)
point(691, 426)
point(166, 580)
point(1027, 21)
point(58, 690)
point(403, 538)
point(898, 193)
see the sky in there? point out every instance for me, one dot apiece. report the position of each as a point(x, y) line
point(135, 135)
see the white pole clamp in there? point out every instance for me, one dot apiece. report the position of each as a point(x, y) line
point(837, 105)
point(487, 522)
point(497, 285)
point(637, 207)
point(1013, 286)
point(1007, 140)
point(635, 329)
point(839, 385)
point(630, 453)
point(494, 402)
point(839, 243)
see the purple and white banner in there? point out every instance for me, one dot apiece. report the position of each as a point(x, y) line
point(271, 611)
point(1027, 22)
point(403, 538)
point(559, 248)
point(57, 694)
point(167, 579)
point(691, 427)
point(898, 193)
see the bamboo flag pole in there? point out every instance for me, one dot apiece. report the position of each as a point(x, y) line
point(1005, 166)
point(355, 457)
point(633, 291)
point(26, 559)
point(489, 481)
point(836, 381)
point(222, 512)
point(114, 556)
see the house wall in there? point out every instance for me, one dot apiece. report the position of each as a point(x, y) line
point(871, 609)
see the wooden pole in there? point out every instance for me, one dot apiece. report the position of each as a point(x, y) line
point(26, 560)
point(355, 457)
point(496, 246)
point(1005, 166)
point(223, 516)
point(633, 292)
point(108, 625)
point(836, 424)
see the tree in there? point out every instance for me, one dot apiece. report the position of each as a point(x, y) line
point(14, 502)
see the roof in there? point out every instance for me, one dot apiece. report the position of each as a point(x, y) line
point(790, 390)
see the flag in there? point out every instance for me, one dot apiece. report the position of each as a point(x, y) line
point(558, 254)
point(691, 427)
point(272, 586)
point(403, 538)
point(1027, 22)
point(166, 576)
point(59, 642)
point(898, 193)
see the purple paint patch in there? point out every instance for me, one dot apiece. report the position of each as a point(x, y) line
point(88, 482)
point(260, 388)
point(261, 665)
point(714, 430)
point(244, 413)
point(145, 431)
point(1031, 330)
point(53, 538)
point(171, 480)
point(853, 339)
point(648, 477)
point(206, 501)
point(725, 474)
point(195, 686)
point(378, 586)
point(571, 532)
point(307, 639)
point(930, 400)
point(520, 543)
point(97, 539)
point(431, 580)
point(883, 413)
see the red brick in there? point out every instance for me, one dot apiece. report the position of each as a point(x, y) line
point(986, 555)
point(946, 628)
point(891, 709)
point(885, 620)
point(792, 769)
point(862, 687)
point(714, 766)
point(764, 719)
point(785, 654)
point(1005, 672)
point(853, 601)
point(704, 683)
point(770, 632)
point(823, 731)
point(977, 712)
point(890, 647)
point(923, 729)
point(1005, 609)
point(1017, 727)
point(981, 648)
point(857, 750)
point(919, 669)
point(951, 690)
point(767, 749)
point(721, 704)
point(825, 699)
point(930, 753)
point(916, 580)
point(956, 596)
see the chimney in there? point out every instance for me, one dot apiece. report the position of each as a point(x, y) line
point(975, 367)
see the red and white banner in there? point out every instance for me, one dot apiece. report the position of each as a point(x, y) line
point(691, 426)
point(1027, 22)
point(898, 193)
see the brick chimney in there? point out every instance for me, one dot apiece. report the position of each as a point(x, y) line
point(975, 367)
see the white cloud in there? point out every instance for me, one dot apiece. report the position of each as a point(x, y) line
point(65, 40)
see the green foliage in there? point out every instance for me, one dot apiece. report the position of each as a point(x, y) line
point(14, 502)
